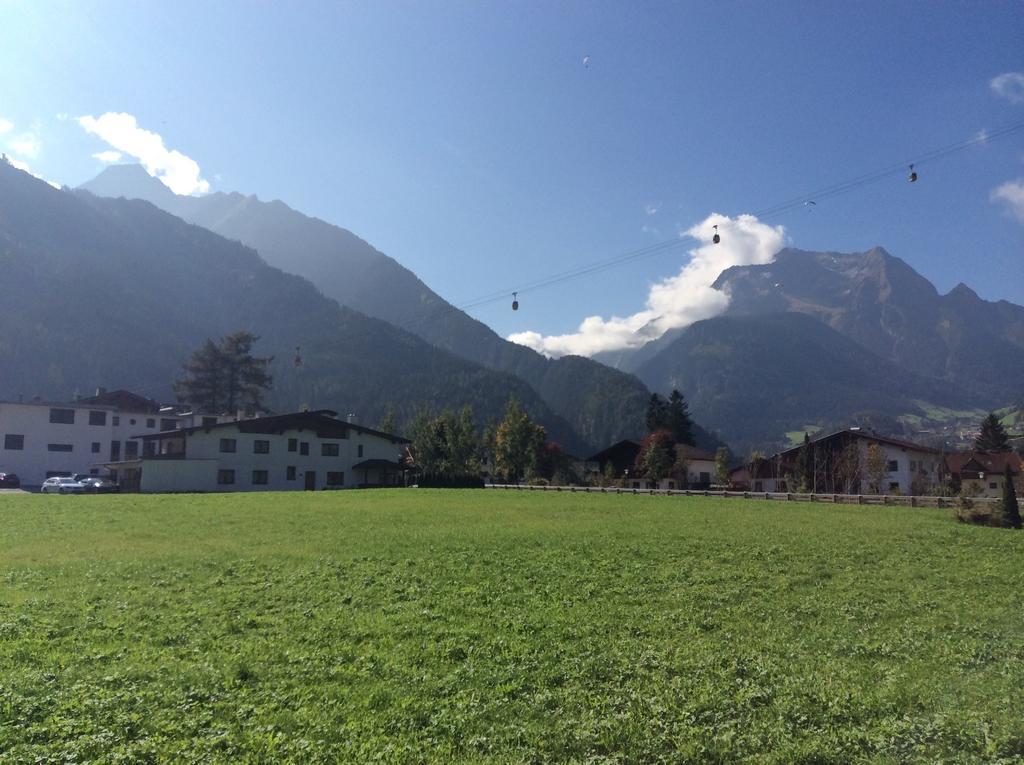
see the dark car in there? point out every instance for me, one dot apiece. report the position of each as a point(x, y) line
point(97, 484)
point(9, 481)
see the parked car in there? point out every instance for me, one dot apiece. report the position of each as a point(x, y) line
point(98, 484)
point(9, 481)
point(58, 485)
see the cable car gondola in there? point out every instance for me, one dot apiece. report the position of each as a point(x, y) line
point(716, 238)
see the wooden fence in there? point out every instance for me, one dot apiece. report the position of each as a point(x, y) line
point(845, 499)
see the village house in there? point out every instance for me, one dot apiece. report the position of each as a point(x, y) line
point(700, 466)
point(982, 474)
point(839, 465)
point(40, 439)
point(301, 450)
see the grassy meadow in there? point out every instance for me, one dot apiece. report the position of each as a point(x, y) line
point(472, 626)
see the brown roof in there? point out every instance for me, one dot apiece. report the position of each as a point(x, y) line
point(124, 400)
point(685, 451)
point(987, 462)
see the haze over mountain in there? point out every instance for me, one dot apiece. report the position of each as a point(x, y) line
point(118, 293)
point(600, 403)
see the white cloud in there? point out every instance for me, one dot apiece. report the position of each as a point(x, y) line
point(26, 144)
point(1011, 194)
point(676, 301)
point(108, 156)
point(1009, 85)
point(652, 209)
point(6, 126)
point(178, 172)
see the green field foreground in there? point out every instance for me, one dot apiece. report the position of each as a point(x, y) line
point(473, 626)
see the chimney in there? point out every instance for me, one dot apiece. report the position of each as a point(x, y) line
point(101, 391)
point(351, 419)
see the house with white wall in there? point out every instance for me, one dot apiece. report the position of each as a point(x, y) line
point(983, 474)
point(40, 439)
point(839, 465)
point(302, 450)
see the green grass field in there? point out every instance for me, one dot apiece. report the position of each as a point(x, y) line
point(438, 626)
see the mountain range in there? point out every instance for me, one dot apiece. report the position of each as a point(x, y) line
point(116, 292)
point(811, 340)
point(601, 405)
point(823, 339)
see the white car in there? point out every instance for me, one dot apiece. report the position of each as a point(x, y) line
point(57, 485)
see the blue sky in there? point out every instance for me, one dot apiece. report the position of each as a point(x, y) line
point(469, 141)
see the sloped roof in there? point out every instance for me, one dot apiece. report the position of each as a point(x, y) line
point(685, 451)
point(124, 400)
point(377, 464)
point(321, 421)
point(987, 462)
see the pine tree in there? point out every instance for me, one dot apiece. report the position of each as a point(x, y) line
point(657, 413)
point(678, 419)
point(993, 436)
point(387, 422)
point(226, 376)
point(1011, 510)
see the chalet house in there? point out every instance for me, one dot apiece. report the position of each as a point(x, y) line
point(700, 466)
point(302, 450)
point(40, 439)
point(839, 465)
point(983, 474)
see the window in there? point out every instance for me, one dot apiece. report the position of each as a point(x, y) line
point(131, 421)
point(261, 447)
point(336, 479)
point(705, 477)
point(116, 420)
point(993, 485)
point(328, 450)
point(63, 416)
point(131, 450)
point(913, 465)
point(59, 447)
point(209, 421)
point(289, 473)
point(227, 445)
point(166, 423)
point(115, 451)
point(894, 486)
point(97, 418)
point(259, 477)
point(293, 444)
point(360, 451)
point(758, 485)
point(14, 442)
point(95, 447)
point(225, 477)
point(892, 466)
point(304, 448)
point(150, 422)
point(149, 448)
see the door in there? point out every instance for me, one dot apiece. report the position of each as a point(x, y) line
point(310, 480)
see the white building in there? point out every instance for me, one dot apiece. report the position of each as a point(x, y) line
point(302, 450)
point(40, 439)
point(840, 465)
